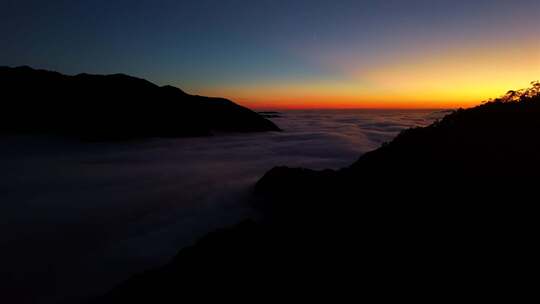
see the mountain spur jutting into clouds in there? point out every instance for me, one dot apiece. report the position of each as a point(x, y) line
point(111, 107)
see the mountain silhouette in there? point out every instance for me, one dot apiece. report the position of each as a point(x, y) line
point(445, 211)
point(110, 107)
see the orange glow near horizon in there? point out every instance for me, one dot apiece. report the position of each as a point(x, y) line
point(431, 77)
point(352, 104)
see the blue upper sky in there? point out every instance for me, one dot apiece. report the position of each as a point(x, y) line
point(242, 48)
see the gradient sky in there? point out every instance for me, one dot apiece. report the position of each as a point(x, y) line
point(294, 53)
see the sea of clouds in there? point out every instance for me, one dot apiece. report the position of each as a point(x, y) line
point(78, 218)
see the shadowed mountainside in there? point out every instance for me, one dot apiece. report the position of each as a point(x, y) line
point(103, 107)
point(445, 210)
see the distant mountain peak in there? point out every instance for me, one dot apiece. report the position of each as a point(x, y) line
point(173, 88)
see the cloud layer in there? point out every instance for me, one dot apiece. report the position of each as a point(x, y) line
point(78, 217)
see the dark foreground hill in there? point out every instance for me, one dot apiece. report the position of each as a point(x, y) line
point(113, 107)
point(445, 212)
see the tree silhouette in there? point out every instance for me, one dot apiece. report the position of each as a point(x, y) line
point(523, 94)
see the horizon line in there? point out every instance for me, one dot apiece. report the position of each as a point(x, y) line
point(351, 108)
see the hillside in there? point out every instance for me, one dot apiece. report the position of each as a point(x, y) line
point(440, 211)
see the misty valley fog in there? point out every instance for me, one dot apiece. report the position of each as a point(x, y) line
point(80, 217)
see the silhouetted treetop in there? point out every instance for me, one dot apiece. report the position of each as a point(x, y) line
point(520, 95)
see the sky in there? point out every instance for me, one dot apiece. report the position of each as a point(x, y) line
point(289, 54)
